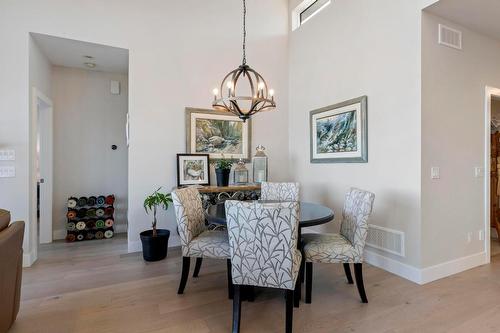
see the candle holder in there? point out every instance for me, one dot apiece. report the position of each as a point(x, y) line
point(259, 165)
point(240, 173)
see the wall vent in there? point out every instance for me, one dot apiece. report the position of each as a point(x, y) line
point(385, 239)
point(450, 37)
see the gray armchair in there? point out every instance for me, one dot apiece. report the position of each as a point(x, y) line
point(263, 239)
point(346, 247)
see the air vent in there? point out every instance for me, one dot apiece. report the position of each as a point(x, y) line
point(450, 37)
point(385, 239)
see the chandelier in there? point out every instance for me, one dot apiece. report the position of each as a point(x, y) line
point(243, 91)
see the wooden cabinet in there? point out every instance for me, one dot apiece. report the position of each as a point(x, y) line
point(494, 193)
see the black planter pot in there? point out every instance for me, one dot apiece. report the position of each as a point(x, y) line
point(222, 176)
point(154, 248)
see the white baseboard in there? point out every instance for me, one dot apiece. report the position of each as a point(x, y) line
point(120, 228)
point(393, 266)
point(136, 245)
point(452, 267)
point(428, 274)
point(28, 259)
point(58, 234)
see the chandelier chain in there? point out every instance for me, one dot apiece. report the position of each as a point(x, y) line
point(258, 99)
point(244, 32)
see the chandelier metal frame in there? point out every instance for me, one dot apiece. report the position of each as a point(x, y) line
point(261, 98)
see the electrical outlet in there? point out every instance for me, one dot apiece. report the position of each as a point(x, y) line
point(481, 235)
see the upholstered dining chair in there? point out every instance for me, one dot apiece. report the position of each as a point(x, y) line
point(347, 247)
point(263, 245)
point(196, 241)
point(279, 191)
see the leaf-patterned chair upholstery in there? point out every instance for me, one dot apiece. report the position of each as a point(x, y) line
point(263, 239)
point(196, 240)
point(346, 247)
point(279, 191)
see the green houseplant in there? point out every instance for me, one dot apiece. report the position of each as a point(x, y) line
point(222, 170)
point(155, 241)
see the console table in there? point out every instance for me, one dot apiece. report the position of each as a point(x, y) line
point(211, 195)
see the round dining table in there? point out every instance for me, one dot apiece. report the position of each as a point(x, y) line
point(311, 214)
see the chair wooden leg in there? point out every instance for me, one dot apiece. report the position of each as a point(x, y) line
point(296, 293)
point(347, 270)
point(185, 274)
point(289, 311)
point(197, 267)
point(358, 274)
point(230, 286)
point(309, 275)
point(302, 268)
point(236, 309)
point(250, 293)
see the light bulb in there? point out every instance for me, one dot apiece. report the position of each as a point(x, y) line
point(230, 85)
point(215, 91)
point(271, 92)
point(261, 85)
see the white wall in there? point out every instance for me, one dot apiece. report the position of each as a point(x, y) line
point(350, 49)
point(88, 119)
point(179, 50)
point(453, 134)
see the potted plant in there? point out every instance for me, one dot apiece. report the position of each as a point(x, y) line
point(155, 241)
point(222, 170)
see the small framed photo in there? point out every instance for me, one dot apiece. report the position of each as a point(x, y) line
point(193, 169)
point(339, 133)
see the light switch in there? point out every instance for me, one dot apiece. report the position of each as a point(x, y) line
point(115, 87)
point(478, 172)
point(7, 171)
point(7, 155)
point(435, 173)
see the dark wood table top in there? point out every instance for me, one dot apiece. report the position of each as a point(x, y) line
point(230, 188)
point(311, 214)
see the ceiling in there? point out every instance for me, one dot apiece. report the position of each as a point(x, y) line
point(481, 16)
point(71, 53)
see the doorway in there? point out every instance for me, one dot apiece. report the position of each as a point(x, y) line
point(492, 183)
point(80, 139)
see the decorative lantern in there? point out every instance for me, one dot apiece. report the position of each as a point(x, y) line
point(240, 173)
point(259, 163)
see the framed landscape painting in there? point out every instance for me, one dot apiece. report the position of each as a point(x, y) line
point(339, 133)
point(218, 134)
point(193, 169)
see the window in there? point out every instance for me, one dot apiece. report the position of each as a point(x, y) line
point(306, 10)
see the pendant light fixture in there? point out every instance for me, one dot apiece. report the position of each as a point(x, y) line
point(243, 92)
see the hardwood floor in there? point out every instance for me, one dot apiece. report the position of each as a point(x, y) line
point(95, 287)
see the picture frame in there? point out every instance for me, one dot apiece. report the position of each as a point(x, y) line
point(193, 169)
point(219, 134)
point(339, 132)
